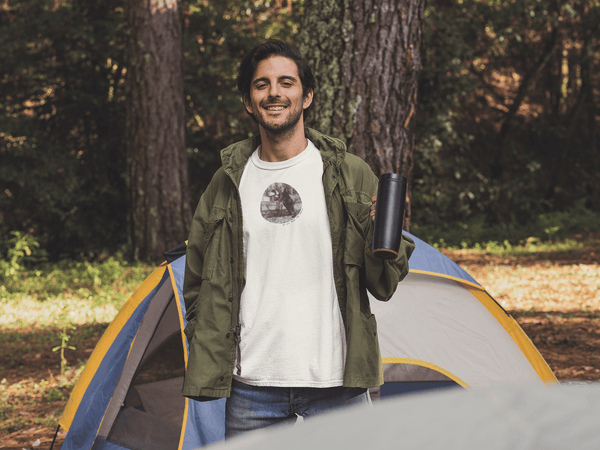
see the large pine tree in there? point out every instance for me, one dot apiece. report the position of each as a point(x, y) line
point(366, 55)
point(159, 203)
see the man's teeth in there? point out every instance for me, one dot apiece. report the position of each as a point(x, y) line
point(275, 108)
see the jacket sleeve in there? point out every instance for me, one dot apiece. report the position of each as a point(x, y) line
point(382, 276)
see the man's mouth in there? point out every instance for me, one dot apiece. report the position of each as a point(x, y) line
point(275, 107)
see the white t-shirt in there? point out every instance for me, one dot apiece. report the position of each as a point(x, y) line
point(292, 333)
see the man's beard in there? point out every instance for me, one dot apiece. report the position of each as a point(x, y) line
point(280, 129)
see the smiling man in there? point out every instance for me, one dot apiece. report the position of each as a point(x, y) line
point(279, 262)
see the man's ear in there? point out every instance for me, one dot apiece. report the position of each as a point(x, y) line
point(307, 100)
point(248, 104)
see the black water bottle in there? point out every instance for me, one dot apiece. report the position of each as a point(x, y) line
point(389, 214)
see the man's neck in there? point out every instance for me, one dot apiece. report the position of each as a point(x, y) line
point(281, 147)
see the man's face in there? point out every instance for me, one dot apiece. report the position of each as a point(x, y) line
point(276, 99)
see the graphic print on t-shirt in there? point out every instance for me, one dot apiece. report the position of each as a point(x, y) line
point(280, 203)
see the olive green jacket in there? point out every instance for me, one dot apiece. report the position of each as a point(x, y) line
point(214, 275)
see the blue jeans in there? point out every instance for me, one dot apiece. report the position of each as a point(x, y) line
point(253, 407)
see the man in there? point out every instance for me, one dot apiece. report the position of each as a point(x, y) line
point(279, 317)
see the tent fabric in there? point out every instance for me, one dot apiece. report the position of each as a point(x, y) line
point(502, 417)
point(175, 253)
point(87, 404)
point(198, 423)
point(443, 320)
point(110, 336)
point(440, 327)
point(137, 351)
point(212, 413)
point(426, 259)
point(438, 323)
point(162, 398)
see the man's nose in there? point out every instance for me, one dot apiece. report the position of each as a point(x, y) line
point(274, 90)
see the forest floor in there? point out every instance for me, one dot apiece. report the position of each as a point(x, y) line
point(554, 296)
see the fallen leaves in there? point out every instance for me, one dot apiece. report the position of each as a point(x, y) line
point(552, 287)
point(569, 342)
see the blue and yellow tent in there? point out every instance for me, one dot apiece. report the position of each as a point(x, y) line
point(129, 394)
point(441, 328)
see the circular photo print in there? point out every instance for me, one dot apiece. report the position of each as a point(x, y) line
point(280, 203)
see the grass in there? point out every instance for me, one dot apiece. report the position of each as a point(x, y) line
point(556, 229)
point(37, 307)
point(532, 247)
point(69, 292)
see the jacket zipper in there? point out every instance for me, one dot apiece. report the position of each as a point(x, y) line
point(236, 335)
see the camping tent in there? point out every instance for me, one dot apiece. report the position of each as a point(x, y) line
point(501, 417)
point(129, 394)
point(441, 328)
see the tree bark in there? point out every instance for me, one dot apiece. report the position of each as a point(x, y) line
point(159, 200)
point(366, 55)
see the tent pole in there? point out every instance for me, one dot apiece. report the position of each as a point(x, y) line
point(54, 439)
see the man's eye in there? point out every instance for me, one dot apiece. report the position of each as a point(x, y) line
point(261, 86)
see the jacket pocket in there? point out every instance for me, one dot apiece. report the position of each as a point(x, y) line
point(190, 318)
point(189, 330)
point(356, 232)
point(210, 247)
point(363, 363)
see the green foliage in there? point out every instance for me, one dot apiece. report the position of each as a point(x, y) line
point(64, 339)
point(68, 278)
point(17, 252)
point(62, 111)
point(55, 394)
point(478, 234)
point(507, 123)
point(66, 303)
point(62, 124)
point(507, 119)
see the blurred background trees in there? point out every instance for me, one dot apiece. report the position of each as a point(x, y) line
point(506, 121)
point(62, 155)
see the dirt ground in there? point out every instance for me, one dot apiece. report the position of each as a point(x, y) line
point(554, 297)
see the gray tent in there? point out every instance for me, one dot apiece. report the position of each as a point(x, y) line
point(531, 417)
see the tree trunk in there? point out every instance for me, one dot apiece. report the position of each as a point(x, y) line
point(159, 199)
point(366, 55)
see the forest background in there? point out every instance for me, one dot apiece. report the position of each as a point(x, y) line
point(506, 137)
point(504, 182)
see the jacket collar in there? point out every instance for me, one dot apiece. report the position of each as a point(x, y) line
point(235, 156)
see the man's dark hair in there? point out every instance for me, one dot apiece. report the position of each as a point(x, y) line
point(267, 49)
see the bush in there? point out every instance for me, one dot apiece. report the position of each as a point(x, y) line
point(476, 233)
point(82, 278)
point(18, 252)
